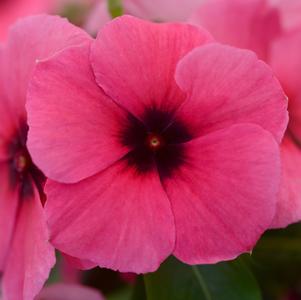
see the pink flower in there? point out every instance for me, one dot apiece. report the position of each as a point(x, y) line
point(249, 24)
point(161, 10)
point(254, 24)
point(154, 10)
point(170, 153)
point(290, 12)
point(11, 10)
point(286, 62)
point(25, 256)
point(61, 291)
point(97, 18)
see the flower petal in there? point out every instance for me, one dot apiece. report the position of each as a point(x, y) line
point(249, 24)
point(226, 86)
point(74, 127)
point(62, 291)
point(13, 10)
point(8, 122)
point(289, 205)
point(97, 18)
point(295, 117)
point(290, 11)
point(122, 219)
point(79, 263)
point(31, 39)
point(8, 126)
point(9, 199)
point(161, 10)
point(31, 256)
point(286, 61)
point(224, 196)
point(134, 61)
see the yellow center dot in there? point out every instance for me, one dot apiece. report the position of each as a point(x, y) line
point(154, 142)
point(20, 163)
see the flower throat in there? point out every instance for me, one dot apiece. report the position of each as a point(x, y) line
point(156, 141)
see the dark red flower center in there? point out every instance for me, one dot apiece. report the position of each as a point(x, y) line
point(23, 173)
point(21, 162)
point(157, 142)
point(154, 141)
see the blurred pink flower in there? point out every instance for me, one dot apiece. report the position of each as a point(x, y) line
point(256, 25)
point(26, 257)
point(11, 10)
point(290, 12)
point(97, 18)
point(173, 155)
point(249, 24)
point(154, 10)
point(286, 62)
point(161, 10)
point(62, 291)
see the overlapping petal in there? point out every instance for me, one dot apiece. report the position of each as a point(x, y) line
point(31, 39)
point(288, 206)
point(286, 61)
point(295, 117)
point(31, 256)
point(9, 199)
point(79, 263)
point(74, 127)
point(224, 195)
point(122, 219)
point(134, 61)
point(224, 86)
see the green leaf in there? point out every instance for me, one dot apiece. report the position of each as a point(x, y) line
point(139, 290)
point(223, 281)
point(123, 294)
point(115, 8)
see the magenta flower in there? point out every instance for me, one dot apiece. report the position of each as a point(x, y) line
point(171, 152)
point(11, 10)
point(256, 25)
point(161, 10)
point(286, 62)
point(62, 291)
point(290, 12)
point(26, 255)
point(154, 10)
point(249, 24)
point(98, 17)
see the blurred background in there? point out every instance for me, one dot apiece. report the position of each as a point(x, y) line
point(273, 269)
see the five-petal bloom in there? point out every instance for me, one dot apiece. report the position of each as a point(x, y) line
point(173, 151)
point(26, 255)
